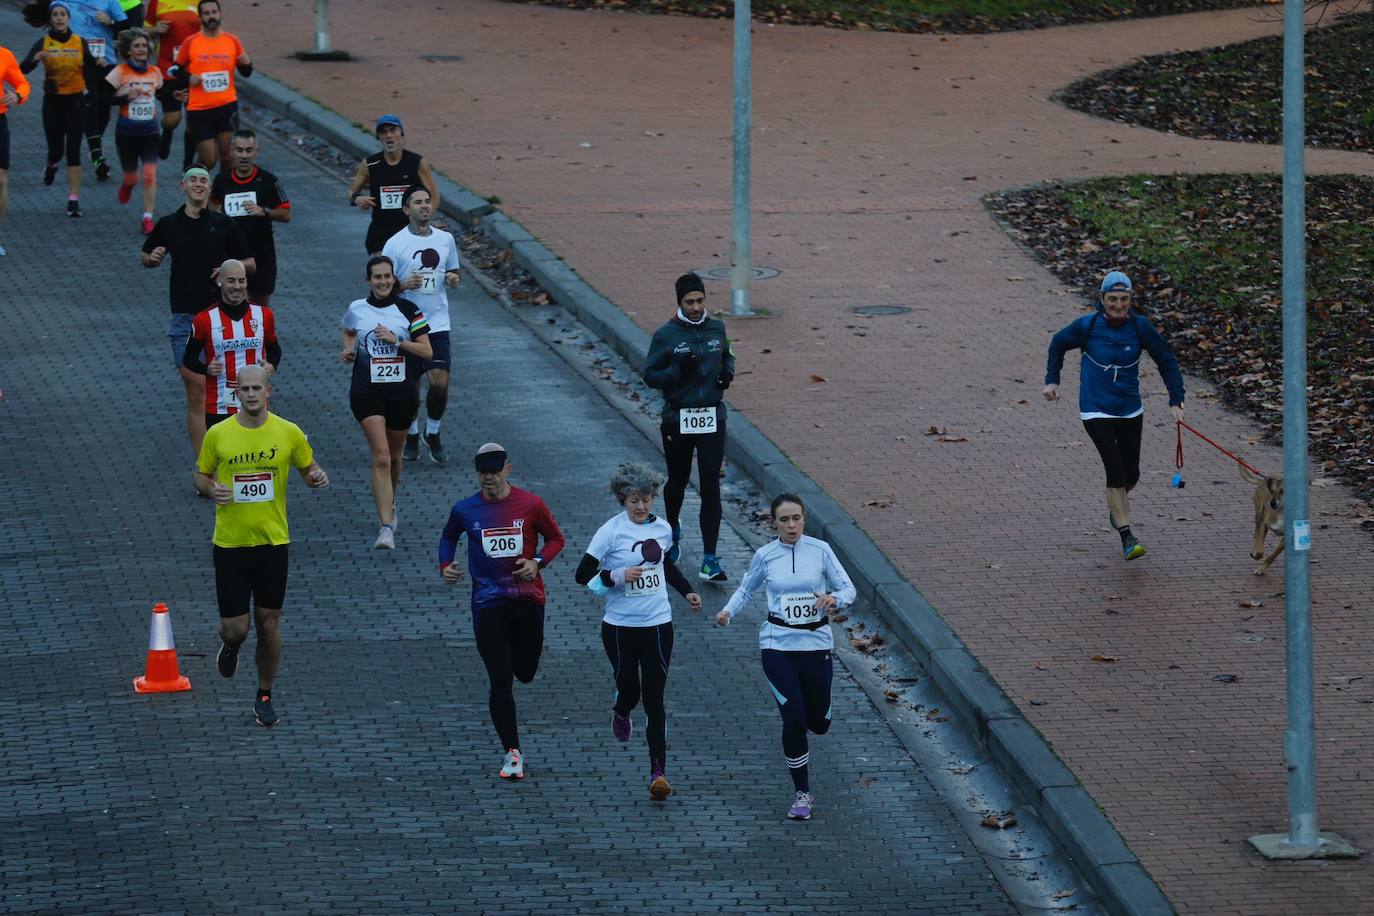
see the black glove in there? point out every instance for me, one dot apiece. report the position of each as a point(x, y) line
point(723, 380)
point(686, 357)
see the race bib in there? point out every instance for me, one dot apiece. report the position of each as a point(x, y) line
point(429, 281)
point(234, 203)
point(231, 396)
point(500, 543)
point(391, 196)
point(650, 582)
point(253, 488)
point(142, 111)
point(387, 369)
point(97, 46)
point(799, 609)
point(215, 81)
point(175, 52)
point(696, 420)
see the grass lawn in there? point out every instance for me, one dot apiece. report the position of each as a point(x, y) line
point(1205, 254)
point(1235, 92)
point(918, 15)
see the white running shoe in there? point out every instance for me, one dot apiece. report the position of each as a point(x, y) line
point(801, 807)
point(386, 538)
point(514, 765)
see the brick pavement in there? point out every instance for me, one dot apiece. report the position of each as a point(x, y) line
point(377, 793)
point(872, 153)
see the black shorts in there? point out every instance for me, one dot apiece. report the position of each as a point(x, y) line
point(4, 142)
point(212, 418)
point(440, 360)
point(249, 577)
point(397, 410)
point(135, 150)
point(263, 280)
point(209, 123)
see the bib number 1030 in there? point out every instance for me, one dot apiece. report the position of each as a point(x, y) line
point(650, 581)
point(253, 488)
point(696, 420)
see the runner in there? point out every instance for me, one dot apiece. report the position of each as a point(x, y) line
point(627, 563)
point(228, 337)
point(243, 468)
point(14, 90)
point(803, 581)
point(385, 391)
point(690, 358)
point(172, 21)
point(387, 176)
point(65, 58)
point(210, 62)
point(254, 198)
point(136, 83)
point(426, 262)
point(199, 241)
point(1112, 339)
point(504, 525)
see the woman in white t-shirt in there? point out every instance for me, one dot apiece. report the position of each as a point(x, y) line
point(627, 564)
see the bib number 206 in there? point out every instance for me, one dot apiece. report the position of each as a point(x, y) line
point(502, 543)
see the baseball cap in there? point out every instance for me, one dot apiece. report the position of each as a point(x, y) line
point(388, 120)
point(1115, 280)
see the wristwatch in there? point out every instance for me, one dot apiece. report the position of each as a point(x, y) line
point(539, 561)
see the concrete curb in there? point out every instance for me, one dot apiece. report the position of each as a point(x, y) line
point(1069, 811)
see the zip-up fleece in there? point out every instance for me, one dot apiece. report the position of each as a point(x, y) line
point(1109, 377)
point(808, 566)
point(686, 382)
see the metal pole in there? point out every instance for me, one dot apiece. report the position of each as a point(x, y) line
point(740, 256)
point(322, 27)
point(1300, 738)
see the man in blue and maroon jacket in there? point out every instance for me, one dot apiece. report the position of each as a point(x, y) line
point(504, 525)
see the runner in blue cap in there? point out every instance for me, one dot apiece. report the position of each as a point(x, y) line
point(1112, 339)
point(387, 176)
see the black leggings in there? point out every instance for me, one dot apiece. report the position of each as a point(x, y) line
point(640, 657)
point(62, 126)
point(1118, 442)
point(801, 687)
point(99, 106)
point(710, 452)
point(510, 639)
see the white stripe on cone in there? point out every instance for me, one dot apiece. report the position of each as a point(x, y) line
point(160, 634)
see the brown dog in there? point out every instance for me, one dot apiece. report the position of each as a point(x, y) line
point(1268, 516)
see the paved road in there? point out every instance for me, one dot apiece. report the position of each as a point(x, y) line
point(378, 791)
point(607, 135)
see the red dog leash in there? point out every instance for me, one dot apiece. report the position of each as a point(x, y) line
point(1178, 452)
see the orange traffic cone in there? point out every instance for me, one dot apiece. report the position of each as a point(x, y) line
point(160, 674)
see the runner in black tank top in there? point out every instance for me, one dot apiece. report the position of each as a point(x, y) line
point(386, 182)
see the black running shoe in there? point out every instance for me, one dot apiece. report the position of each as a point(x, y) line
point(263, 711)
point(102, 169)
point(436, 449)
point(227, 660)
point(412, 450)
point(73, 208)
point(50, 173)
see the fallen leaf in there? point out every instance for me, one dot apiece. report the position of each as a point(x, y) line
point(817, 378)
point(936, 431)
point(866, 781)
point(1063, 894)
point(892, 696)
point(1105, 658)
point(949, 438)
point(1254, 602)
point(962, 771)
point(1000, 821)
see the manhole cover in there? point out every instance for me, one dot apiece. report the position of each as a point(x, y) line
point(723, 273)
point(441, 58)
point(881, 310)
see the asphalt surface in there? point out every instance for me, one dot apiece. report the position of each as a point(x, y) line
point(378, 790)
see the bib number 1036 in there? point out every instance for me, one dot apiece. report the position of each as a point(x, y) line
point(696, 420)
point(253, 488)
point(799, 609)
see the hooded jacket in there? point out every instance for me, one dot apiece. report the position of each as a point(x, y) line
point(1109, 377)
point(692, 364)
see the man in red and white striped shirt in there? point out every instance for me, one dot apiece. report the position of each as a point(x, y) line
point(227, 336)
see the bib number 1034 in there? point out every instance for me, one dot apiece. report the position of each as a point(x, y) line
point(253, 488)
point(696, 420)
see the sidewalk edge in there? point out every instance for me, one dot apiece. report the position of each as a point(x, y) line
point(1076, 820)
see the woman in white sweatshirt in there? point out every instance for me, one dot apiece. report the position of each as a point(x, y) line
point(803, 581)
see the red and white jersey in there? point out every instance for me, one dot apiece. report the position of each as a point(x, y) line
point(239, 342)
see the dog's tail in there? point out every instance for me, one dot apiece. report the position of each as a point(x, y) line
point(1248, 475)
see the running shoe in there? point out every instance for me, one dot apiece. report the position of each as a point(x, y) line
point(126, 191)
point(1132, 549)
point(621, 726)
point(263, 711)
point(102, 169)
point(801, 807)
point(412, 450)
point(676, 550)
point(147, 225)
point(73, 208)
point(3, 252)
point(228, 659)
point(436, 449)
point(711, 571)
point(386, 538)
point(659, 789)
point(514, 765)
point(50, 173)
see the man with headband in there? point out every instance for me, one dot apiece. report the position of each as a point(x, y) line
point(503, 525)
point(198, 240)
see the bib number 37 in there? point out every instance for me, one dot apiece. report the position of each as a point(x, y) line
point(696, 421)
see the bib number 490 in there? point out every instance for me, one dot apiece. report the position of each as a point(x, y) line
point(253, 488)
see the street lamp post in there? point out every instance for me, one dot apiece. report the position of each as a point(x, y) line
point(740, 255)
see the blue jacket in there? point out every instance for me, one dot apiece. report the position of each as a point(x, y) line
point(1109, 377)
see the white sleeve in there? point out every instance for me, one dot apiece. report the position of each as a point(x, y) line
point(749, 585)
point(601, 541)
point(392, 249)
point(347, 322)
point(451, 262)
point(844, 590)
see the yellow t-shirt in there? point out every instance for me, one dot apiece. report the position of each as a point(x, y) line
point(256, 464)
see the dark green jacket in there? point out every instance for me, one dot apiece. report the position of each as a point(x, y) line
point(691, 364)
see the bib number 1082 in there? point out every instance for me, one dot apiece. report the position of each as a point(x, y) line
point(696, 420)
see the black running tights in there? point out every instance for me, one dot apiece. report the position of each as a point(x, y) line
point(710, 454)
point(640, 657)
point(1118, 442)
point(510, 639)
